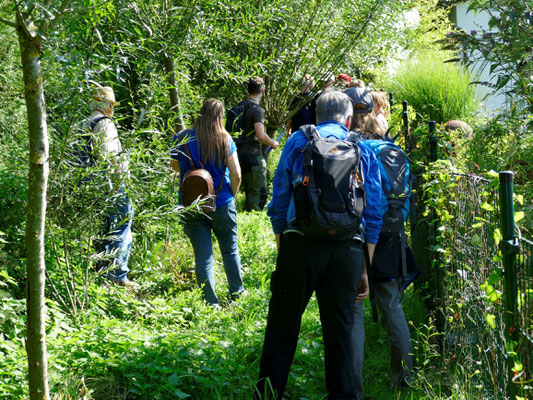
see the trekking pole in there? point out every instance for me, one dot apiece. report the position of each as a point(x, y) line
point(391, 100)
point(509, 246)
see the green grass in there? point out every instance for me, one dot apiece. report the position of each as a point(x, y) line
point(437, 90)
point(162, 342)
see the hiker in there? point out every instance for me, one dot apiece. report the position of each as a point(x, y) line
point(393, 267)
point(356, 83)
point(381, 108)
point(373, 129)
point(325, 86)
point(363, 105)
point(116, 238)
point(302, 102)
point(333, 268)
point(251, 158)
point(208, 145)
point(343, 81)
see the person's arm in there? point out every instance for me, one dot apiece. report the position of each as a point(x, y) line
point(174, 152)
point(371, 248)
point(175, 165)
point(363, 289)
point(262, 136)
point(234, 172)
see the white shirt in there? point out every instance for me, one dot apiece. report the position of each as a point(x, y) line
point(108, 144)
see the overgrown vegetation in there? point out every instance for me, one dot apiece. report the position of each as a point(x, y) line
point(437, 90)
point(161, 341)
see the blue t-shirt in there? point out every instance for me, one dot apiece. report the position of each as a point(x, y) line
point(178, 153)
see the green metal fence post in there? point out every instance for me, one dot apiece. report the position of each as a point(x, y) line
point(509, 247)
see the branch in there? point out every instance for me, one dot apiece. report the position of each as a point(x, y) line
point(62, 10)
point(56, 17)
point(23, 24)
point(8, 22)
point(80, 9)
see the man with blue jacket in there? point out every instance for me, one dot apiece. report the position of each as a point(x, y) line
point(332, 269)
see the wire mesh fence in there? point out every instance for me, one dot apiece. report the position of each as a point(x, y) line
point(465, 275)
point(523, 373)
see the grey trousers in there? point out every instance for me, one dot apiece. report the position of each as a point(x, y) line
point(389, 299)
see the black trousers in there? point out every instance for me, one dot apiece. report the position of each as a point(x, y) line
point(333, 271)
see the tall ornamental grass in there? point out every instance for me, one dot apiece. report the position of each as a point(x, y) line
point(437, 90)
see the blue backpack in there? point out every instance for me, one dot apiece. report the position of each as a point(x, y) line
point(395, 183)
point(396, 186)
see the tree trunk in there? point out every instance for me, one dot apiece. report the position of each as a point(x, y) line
point(30, 47)
point(175, 103)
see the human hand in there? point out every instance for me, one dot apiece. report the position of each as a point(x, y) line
point(274, 144)
point(363, 289)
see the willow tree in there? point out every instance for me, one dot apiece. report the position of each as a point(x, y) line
point(282, 40)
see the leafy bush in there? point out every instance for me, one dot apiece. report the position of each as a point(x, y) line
point(437, 90)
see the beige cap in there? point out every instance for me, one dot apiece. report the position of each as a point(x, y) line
point(105, 93)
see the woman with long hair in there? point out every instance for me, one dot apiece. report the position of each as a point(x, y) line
point(381, 108)
point(208, 144)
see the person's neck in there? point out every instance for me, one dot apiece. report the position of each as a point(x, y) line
point(256, 97)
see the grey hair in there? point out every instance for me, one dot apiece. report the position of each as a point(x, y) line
point(333, 106)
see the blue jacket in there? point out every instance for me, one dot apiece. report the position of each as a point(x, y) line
point(289, 175)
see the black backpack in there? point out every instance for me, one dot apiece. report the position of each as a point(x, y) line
point(83, 146)
point(235, 117)
point(330, 200)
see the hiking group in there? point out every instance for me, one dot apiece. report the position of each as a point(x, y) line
point(340, 197)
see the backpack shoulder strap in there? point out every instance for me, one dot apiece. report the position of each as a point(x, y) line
point(182, 135)
point(188, 153)
point(95, 121)
point(310, 131)
point(355, 137)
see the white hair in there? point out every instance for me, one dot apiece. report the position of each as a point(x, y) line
point(333, 106)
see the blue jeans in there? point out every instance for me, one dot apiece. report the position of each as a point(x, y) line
point(223, 223)
point(117, 238)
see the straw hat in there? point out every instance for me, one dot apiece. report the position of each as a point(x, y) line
point(105, 94)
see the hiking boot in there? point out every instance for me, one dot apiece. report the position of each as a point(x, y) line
point(238, 295)
point(127, 283)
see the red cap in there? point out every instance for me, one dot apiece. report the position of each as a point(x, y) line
point(344, 77)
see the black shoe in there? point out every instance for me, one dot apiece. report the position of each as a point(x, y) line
point(237, 296)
